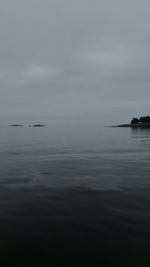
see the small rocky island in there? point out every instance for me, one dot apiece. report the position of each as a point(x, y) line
point(142, 122)
point(16, 125)
point(38, 125)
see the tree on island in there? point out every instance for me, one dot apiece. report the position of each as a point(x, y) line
point(145, 119)
point(142, 120)
point(134, 121)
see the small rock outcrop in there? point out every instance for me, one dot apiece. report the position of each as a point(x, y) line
point(38, 125)
point(16, 125)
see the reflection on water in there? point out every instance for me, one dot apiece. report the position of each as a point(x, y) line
point(140, 131)
point(141, 136)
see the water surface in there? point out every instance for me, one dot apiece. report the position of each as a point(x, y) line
point(74, 192)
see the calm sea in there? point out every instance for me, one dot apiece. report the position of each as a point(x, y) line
point(72, 193)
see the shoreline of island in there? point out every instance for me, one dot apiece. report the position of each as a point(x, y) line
point(142, 122)
point(142, 125)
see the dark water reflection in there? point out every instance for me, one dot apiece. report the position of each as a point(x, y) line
point(142, 136)
point(74, 194)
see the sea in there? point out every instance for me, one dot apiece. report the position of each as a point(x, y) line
point(74, 195)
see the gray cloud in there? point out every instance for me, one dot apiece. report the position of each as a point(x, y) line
point(87, 60)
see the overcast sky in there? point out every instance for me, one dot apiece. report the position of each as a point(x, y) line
point(78, 60)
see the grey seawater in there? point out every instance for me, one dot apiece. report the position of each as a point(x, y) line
point(74, 192)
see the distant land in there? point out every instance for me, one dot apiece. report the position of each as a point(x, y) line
point(38, 125)
point(142, 122)
point(21, 125)
point(16, 125)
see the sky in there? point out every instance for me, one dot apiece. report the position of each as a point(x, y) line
point(74, 60)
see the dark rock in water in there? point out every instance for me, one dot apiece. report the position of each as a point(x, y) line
point(38, 125)
point(16, 125)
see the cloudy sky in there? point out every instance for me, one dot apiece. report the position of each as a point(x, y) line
point(74, 60)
